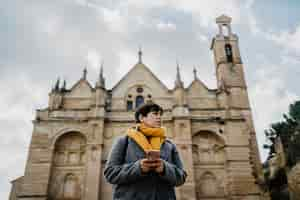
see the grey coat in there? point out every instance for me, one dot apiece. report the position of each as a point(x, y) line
point(129, 183)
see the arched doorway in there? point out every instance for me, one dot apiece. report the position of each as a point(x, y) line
point(67, 172)
point(209, 164)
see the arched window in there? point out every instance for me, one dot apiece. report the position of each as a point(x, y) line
point(129, 105)
point(139, 101)
point(228, 52)
point(225, 30)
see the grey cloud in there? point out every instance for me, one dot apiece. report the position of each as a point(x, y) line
point(41, 40)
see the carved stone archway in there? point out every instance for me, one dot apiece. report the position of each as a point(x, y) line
point(208, 148)
point(68, 166)
point(209, 160)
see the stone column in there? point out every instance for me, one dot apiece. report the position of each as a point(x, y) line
point(93, 165)
point(183, 141)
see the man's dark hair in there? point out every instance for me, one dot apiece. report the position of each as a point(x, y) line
point(145, 109)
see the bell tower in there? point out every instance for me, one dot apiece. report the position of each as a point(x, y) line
point(232, 96)
point(229, 66)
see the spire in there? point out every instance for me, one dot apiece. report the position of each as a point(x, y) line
point(101, 70)
point(195, 73)
point(56, 88)
point(64, 86)
point(84, 74)
point(101, 79)
point(178, 72)
point(178, 82)
point(140, 55)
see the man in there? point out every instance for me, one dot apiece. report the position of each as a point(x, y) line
point(135, 175)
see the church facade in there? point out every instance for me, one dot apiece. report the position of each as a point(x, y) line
point(212, 129)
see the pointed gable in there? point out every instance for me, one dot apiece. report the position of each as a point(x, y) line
point(139, 75)
point(197, 89)
point(81, 89)
point(200, 97)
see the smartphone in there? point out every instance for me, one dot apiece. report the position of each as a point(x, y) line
point(153, 155)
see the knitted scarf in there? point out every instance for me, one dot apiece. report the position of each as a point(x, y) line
point(156, 136)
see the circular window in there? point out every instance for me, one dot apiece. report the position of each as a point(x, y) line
point(140, 90)
point(149, 96)
point(129, 96)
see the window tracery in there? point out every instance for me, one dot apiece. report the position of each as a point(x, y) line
point(136, 96)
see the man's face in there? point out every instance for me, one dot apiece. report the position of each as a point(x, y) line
point(153, 119)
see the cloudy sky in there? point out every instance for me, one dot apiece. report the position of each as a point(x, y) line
point(45, 39)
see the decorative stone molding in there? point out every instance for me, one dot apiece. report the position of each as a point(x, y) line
point(66, 130)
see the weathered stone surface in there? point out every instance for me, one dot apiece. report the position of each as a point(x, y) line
point(212, 129)
point(294, 182)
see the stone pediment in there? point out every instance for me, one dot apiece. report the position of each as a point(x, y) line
point(197, 88)
point(139, 75)
point(81, 89)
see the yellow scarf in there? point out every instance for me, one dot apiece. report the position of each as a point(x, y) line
point(156, 137)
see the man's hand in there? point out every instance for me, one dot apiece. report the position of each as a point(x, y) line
point(156, 165)
point(147, 165)
point(160, 166)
